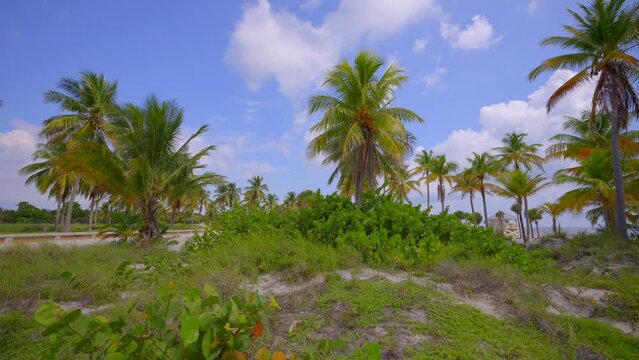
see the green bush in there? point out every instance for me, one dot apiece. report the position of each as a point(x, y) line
point(382, 231)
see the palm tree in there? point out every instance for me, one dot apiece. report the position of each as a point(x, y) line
point(594, 189)
point(500, 215)
point(255, 193)
point(600, 48)
point(271, 202)
point(289, 200)
point(88, 102)
point(144, 161)
point(535, 215)
point(46, 174)
point(189, 189)
point(516, 208)
point(517, 152)
point(442, 171)
point(519, 185)
point(483, 165)
point(554, 210)
point(400, 183)
point(423, 161)
point(227, 195)
point(467, 183)
point(359, 130)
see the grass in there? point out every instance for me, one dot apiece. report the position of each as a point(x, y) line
point(407, 319)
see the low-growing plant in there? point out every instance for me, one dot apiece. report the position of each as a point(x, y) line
point(204, 240)
point(199, 326)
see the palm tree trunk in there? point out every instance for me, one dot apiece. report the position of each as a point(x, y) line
point(554, 225)
point(56, 226)
point(472, 210)
point(442, 194)
point(620, 201)
point(74, 191)
point(537, 226)
point(483, 200)
point(528, 224)
point(150, 217)
point(173, 214)
point(92, 204)
point(521, 227)
point(427, 191)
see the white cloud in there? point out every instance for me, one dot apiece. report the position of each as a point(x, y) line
point(436, 78)
point(533, 6)
point(16, 148)
point(478, 35)
point(276, 44)
point(528, 116)
point(419, 45)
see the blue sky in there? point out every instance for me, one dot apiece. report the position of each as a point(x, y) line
point(246, 68)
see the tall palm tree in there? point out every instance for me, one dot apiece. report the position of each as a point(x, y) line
point(46, 174)
point(87, 103)
point(255, 193)
point(400, 183)
point(144, 161)
point(483, 165)
point(535, 215)
point(289, 200)
point(600, 49)
point(515, 151)
point(467, 183)
point(554, 210)
point(442, 171)
point(519, 185)
point(516, 208)
point(423, 161)
point(500, 215)
point(359, 130)
point(594, 190)
point(271, 202)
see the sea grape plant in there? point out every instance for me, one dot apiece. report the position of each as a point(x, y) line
point(197, 326)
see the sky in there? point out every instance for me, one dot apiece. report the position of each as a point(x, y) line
point(247, 68)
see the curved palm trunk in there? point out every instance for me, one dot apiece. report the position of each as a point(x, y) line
point(483, 200)
point(537, 226)
point(620, 201)
point(554, 225)
point(528, 226)
point(441, 193)
point(427, 191)
point(472, 209)
point(69, 215)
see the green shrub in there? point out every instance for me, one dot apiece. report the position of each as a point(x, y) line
point(197, 327)
point(382, 231)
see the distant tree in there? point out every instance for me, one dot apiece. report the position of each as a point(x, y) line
point(554, 210)
point(442, 171)
point(255, 193)
point(424, 160)
point(515, 151)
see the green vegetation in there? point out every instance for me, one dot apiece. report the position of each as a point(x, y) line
point(377, 277)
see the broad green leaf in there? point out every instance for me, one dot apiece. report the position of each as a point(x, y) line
point(48, 313)
point(115, 356)
point(70, 317)
point(210, 290)
point(206, 344)
point(190, 330)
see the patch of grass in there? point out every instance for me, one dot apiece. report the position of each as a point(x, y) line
point(20, 337)
point(34, 273)
point(41, 228)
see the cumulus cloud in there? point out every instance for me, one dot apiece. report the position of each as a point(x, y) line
point(269, 43)
point(436, 78)
point(419, 45)
point(527, 116)
point(478, 35)
point(16, 147)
